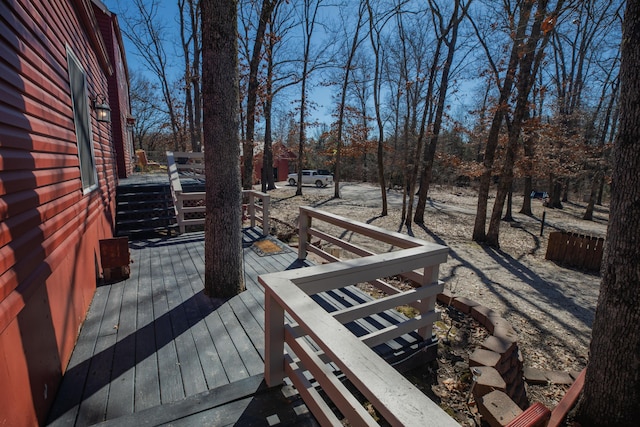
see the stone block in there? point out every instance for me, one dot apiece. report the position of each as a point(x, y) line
point(498, 320)
point(535, 375)
point(445, 297)
point(488, 381)
point(497, 409)
point(559, 377)
point(504, 347)
point(511, 375)
point(482, 314)
point(482, 357)
point(464, 305)
point(505, 332)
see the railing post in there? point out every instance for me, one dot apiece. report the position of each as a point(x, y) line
point(273, 340)
point(429, 278)
point(304, 238)
point(180, 202)
point(266, 200)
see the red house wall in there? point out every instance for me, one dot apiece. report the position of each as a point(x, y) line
point(118, 90)
point(49, 229)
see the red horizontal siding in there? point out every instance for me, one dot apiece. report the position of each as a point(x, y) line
point(49, 229)
point(18, 138)
point(16, 181)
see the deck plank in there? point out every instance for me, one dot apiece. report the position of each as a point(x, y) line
point(122, 389)
point(70, 393)
point(253, 362)
point(233, 367)
point(147, 383)
point(171, 387)
point(193, 378)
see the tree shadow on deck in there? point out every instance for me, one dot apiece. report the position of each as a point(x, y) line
point(86, 378)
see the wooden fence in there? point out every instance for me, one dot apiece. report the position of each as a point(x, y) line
point(575, 250)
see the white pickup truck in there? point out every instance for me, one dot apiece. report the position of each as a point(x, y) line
point(312, 177)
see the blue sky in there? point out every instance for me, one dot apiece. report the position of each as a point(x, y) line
point(168, 13)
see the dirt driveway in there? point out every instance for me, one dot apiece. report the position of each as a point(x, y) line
point(550, 306)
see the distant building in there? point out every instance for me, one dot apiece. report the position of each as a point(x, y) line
point(282, 158)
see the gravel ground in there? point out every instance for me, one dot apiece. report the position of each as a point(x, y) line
point(550, 306)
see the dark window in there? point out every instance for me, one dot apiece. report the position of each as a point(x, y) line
point(78, 83)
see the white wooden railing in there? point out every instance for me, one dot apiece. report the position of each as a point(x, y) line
point(394, 397)
point(256, 208)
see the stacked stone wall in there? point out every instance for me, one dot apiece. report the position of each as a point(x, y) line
point(500, 386)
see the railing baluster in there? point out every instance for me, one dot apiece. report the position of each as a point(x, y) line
point(252, 209)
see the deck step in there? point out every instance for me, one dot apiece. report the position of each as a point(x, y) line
point(225, 405)
point(144, 210)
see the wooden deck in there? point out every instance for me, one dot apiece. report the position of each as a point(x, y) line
point(155, 338)
point(154, 349)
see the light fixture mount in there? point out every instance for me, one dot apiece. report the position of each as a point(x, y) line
point(102, 109)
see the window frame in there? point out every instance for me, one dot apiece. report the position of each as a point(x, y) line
point(81, 112)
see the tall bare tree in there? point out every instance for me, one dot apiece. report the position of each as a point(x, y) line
point(310, 9)
point(145, 107)
point(281, 74)
point(611, 394)
point(223, 235)
point(144, 28)
point(530, 35)
point(449, 35)
point(252, 91)
point(530, 59)
point(189, 21)
point(355, 41)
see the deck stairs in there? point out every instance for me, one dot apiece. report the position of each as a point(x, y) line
point(144, 209)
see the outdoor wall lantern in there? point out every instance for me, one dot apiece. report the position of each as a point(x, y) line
point(102, 109)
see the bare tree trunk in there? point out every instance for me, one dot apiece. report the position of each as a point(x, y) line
point(146, 33)
point(185, 40)
point(611, 394)
point(479, 233)
point(374, 36)
point(194, 9)
point(595, 183)
point(309, 22)
point(223, 234)
point(430, 151)
point(600, 191)
point(267, 181)
point(526, 202)
point(528, 68)
point(405, 174)
point(528, 184)
point(343, 100)
point(252, 93)
point(555, 191)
